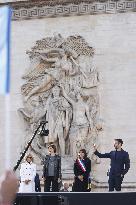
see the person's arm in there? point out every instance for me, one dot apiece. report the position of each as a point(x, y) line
point(59, 167)
point(126, 163)
point(76, 172)
point(75, 169)
point(88, 116)
point(22, 173)
point(77, 65)
point(44, 168)
point(100, 155)
point(106, 155)
point(73, 60)
point(34, 171)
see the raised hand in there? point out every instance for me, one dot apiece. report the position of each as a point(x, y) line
point(94, 146)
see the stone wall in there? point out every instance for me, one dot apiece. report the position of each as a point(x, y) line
point(113, 37)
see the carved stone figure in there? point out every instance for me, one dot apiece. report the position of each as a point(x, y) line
point(59, 120)
point(80, 123)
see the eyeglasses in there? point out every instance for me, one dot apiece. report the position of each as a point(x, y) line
point(50, 145)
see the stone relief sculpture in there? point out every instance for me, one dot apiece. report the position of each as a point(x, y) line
point(80, 123)
point(62, 82)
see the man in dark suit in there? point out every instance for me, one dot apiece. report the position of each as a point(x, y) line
point(120, 164)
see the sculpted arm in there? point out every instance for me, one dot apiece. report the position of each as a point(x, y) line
point(67, 97)
point(88, 115)
point(78, 66)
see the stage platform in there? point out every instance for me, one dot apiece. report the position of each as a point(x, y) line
point(71, 198)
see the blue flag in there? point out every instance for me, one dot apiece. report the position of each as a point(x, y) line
point(5, 16)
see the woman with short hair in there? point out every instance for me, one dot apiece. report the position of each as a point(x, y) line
point(52, 170)
point(27, 175)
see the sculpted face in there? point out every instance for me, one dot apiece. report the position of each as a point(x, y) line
point(79, 96)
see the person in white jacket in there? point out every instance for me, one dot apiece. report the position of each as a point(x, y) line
point(27, 175)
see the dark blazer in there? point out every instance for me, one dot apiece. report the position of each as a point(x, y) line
point(57, 168)
point(120, 162)
point(78, 171)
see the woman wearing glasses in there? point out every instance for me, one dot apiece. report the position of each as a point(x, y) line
point(27, 175)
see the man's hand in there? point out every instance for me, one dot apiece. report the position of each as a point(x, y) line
point(9, 186)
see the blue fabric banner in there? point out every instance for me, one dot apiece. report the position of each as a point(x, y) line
point(5, 16)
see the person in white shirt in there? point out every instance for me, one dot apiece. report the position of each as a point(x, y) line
point(27, 175)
